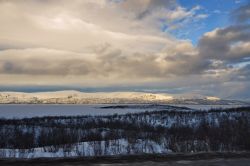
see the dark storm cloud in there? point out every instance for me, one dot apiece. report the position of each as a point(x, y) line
point(229, 44)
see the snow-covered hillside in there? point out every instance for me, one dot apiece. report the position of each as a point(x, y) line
point(155, 132)
point(95, 148)
point(76, 97)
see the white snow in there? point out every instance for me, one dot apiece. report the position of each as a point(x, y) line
point(96, 97)
point(77, 94)
point(112, 147)
point(212, 98)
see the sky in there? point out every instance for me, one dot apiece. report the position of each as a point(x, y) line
point(168, 46)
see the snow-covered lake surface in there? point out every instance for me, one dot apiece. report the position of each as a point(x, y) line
point(27, 111)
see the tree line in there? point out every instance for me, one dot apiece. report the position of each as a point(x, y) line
point(179, 131)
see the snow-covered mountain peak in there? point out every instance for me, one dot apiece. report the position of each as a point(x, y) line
point(213, 98)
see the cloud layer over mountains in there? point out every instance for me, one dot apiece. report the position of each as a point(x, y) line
point(120, 42)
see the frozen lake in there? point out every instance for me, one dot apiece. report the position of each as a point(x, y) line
point(28, 111)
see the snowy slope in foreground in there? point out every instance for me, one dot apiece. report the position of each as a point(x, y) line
point(97, 148)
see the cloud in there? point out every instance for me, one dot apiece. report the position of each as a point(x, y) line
point(168, 12)
point(242, 14)
point(144, 8)
point(105, 61)
point(230, 44)
point(74, 39)
point(42, 62)
point(75, 27)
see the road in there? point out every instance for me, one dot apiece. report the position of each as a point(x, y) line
point(199, 159)
point(212, 162)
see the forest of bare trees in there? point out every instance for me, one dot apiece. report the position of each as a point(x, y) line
point(190, 131)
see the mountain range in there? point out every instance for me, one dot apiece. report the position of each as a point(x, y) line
point(76, 97)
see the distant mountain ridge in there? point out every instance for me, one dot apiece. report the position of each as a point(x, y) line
point(76, 97)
